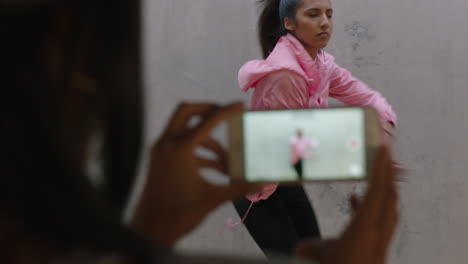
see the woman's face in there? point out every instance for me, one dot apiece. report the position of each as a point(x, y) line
point(313, 24)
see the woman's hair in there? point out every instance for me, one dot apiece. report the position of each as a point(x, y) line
point(271, 22)
point(44, 190)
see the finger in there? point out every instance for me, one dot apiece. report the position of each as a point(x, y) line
point(183, 114)
point(399, 166)
point(400, 171)
point(391, 198)
point(388, 221)
point(205, 127)
point(211, 164)
point(376, 193)
point(216, 147)
point(389, 217)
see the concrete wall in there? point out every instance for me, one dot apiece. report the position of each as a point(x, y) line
point(414, 52)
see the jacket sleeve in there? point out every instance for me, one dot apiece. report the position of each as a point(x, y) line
point(280, 90)
point(351, 91)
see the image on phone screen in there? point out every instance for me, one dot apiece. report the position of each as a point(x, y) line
point(292, 145)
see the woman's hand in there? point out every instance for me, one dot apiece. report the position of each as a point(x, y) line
point(388, 130)
point(176, 198)
point(367, 238)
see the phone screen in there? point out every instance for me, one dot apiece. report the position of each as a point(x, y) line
point(311, 144)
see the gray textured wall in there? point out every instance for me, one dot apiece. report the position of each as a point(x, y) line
point(414, 52)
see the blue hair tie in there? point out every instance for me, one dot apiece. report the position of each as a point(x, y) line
point(287, 8)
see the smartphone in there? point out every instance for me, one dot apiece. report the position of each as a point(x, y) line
point(332, 144)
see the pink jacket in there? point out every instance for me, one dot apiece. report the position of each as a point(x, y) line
point(290, 79)
point(300, 148)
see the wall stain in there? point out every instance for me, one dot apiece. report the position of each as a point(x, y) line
point(359, 34)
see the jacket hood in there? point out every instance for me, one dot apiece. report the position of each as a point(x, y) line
point(288, 54)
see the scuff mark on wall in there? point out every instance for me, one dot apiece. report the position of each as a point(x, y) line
point(359, 33)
